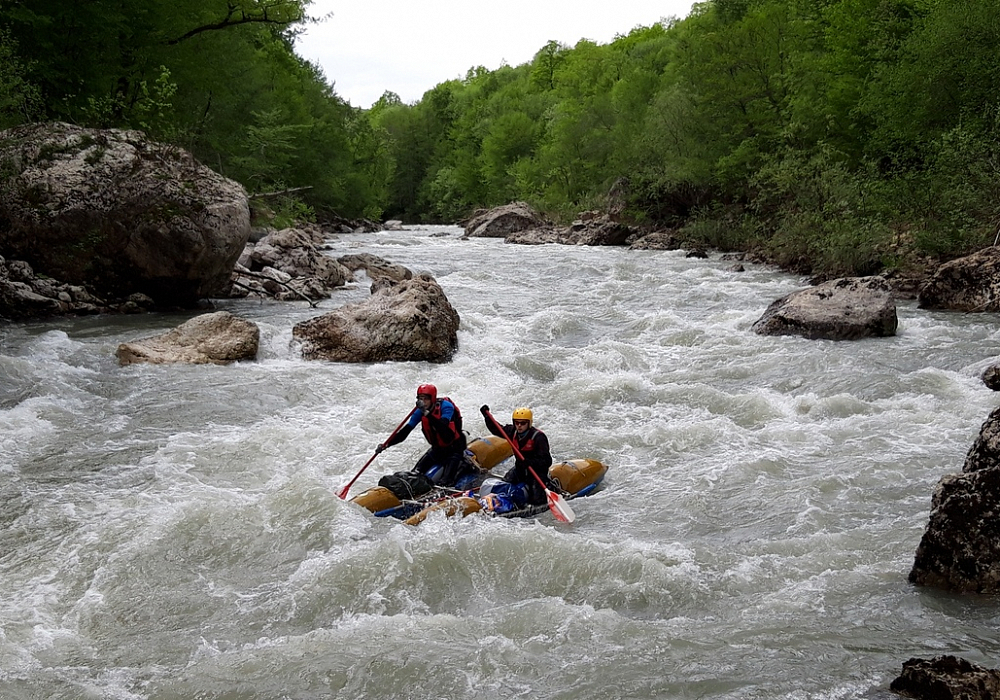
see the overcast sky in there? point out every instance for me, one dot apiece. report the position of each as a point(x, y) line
point(408, 46)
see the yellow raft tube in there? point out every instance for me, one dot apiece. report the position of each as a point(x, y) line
point(487, 452)
point(577, 477)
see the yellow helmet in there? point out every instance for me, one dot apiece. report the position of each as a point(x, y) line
point(522, 414)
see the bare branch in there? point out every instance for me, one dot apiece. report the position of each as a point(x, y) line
point(248, 273)
point(269, 13)
point(279, 193)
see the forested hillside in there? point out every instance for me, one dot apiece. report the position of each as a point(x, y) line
point(218, 77)
point(832, 136)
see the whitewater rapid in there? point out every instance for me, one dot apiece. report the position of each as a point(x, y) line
point(171, 532)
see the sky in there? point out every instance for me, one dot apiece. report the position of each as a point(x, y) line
point(366, 47)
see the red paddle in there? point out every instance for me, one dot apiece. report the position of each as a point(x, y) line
point(560, 509)
point(342, 493)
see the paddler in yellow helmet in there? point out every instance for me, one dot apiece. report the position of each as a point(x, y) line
point(519, 488)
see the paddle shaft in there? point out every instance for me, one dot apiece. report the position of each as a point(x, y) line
point(343, 491)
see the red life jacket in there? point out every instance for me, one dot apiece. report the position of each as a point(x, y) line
point(433, 437)
point(525, 444)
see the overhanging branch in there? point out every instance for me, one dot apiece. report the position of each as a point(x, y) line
point(279, 13)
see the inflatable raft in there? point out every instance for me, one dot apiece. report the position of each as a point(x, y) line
point(577, 477)
point(484, 453)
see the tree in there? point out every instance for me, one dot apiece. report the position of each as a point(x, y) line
point(20, 100)
point(195, 72)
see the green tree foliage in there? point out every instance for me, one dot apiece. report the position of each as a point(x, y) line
point(218, 77)
point(20, 100)
point(832, 135)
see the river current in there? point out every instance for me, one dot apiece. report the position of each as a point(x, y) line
point(172, 532)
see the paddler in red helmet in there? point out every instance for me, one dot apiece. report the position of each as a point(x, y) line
point(441, 422)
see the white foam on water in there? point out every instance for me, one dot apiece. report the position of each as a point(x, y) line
point(173, 531)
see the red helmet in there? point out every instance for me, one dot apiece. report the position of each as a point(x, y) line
point(429, 390)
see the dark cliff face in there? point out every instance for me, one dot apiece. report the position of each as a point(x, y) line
point(118, 213)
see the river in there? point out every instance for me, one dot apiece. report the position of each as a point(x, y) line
point(172, 532)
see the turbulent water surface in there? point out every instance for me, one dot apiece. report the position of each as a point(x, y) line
point(172, 532)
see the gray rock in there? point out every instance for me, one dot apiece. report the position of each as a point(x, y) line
point(216, 338)
point(991, 377)
point(288, 265)
point(118, 213)
point(946, 678)
point(841, 309)
point(377, 268)
point(401, 321)
point(657, 240)
point(960, 549)
point(971, 283)
point(499, 222)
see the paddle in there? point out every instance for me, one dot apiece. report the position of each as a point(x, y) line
point(560, 509)
point(342, 493)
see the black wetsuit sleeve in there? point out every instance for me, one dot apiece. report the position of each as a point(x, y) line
point(399, 436)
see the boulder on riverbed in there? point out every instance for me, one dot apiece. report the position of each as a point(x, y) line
point(500, 222)
point(841, 309)
point(119, 214)
point(400, 321)
point(971, 283)
point(960, 549)
point(217, 338)
point(404, 321)
point(24, 295)
point(592, 228)
point(288, 264)
point(947, 677)
point(376, 268)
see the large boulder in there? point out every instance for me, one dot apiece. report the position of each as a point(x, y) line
point(960, 549)
point(595, 228)
point(592, 228)
point(408, 320)
point(947, 677)
point(971, 283)
point(118, 213)
point(841, 309)
point(500, 222)
point(217, 338)
point(657, 240)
